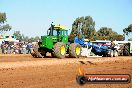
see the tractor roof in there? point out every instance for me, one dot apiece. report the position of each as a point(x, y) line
point(56, 27)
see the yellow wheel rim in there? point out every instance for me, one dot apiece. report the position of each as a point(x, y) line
point(63, 50)
point(77, 50)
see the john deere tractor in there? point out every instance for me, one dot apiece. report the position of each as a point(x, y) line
point(56, 42)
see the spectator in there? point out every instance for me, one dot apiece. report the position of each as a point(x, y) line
point(8, 48)
point(24, 48)
point(16, 49)
point(29, 48)
point(5, 48)
point(2, 48)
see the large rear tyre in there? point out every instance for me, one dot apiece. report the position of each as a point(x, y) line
point(59, 50)
point(74, 50)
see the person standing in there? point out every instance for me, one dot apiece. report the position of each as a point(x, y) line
point(24, 48)
point(2, 48)
point(8, 48)
point(29, 48)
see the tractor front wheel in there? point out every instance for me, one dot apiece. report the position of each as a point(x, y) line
point(74, 50)
point(59, 50)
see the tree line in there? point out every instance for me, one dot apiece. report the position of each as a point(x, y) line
point(4, 27)
point(88, 30)
point(22, 37)
point(81, 26)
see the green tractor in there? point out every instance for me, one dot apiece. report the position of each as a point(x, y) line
point(56, 42)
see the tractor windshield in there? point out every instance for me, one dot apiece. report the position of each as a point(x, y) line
point(57, 32)
point(63, 32)
point(54, 33)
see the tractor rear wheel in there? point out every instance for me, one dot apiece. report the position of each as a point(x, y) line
point(59, 50)
point(74, 50)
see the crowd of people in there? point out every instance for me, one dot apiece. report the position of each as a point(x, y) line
point(16, 48)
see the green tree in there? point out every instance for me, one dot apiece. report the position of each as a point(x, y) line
point(106, 33)
point(18, 35)
point(118, 37)
point(84, 25)
point(89, 28)
point(31, 39)
point(4, 27)
point(128, 30)
point(36, 39)
point(22, 37)
point(130, 39)
point(25, 38)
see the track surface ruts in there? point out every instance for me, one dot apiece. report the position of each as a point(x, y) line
point(23, 71)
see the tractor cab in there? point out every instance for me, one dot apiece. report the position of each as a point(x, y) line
point(57, 30)
point(58, 33)
point(55, 33)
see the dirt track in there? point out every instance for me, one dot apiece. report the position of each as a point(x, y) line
point(26, 72)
